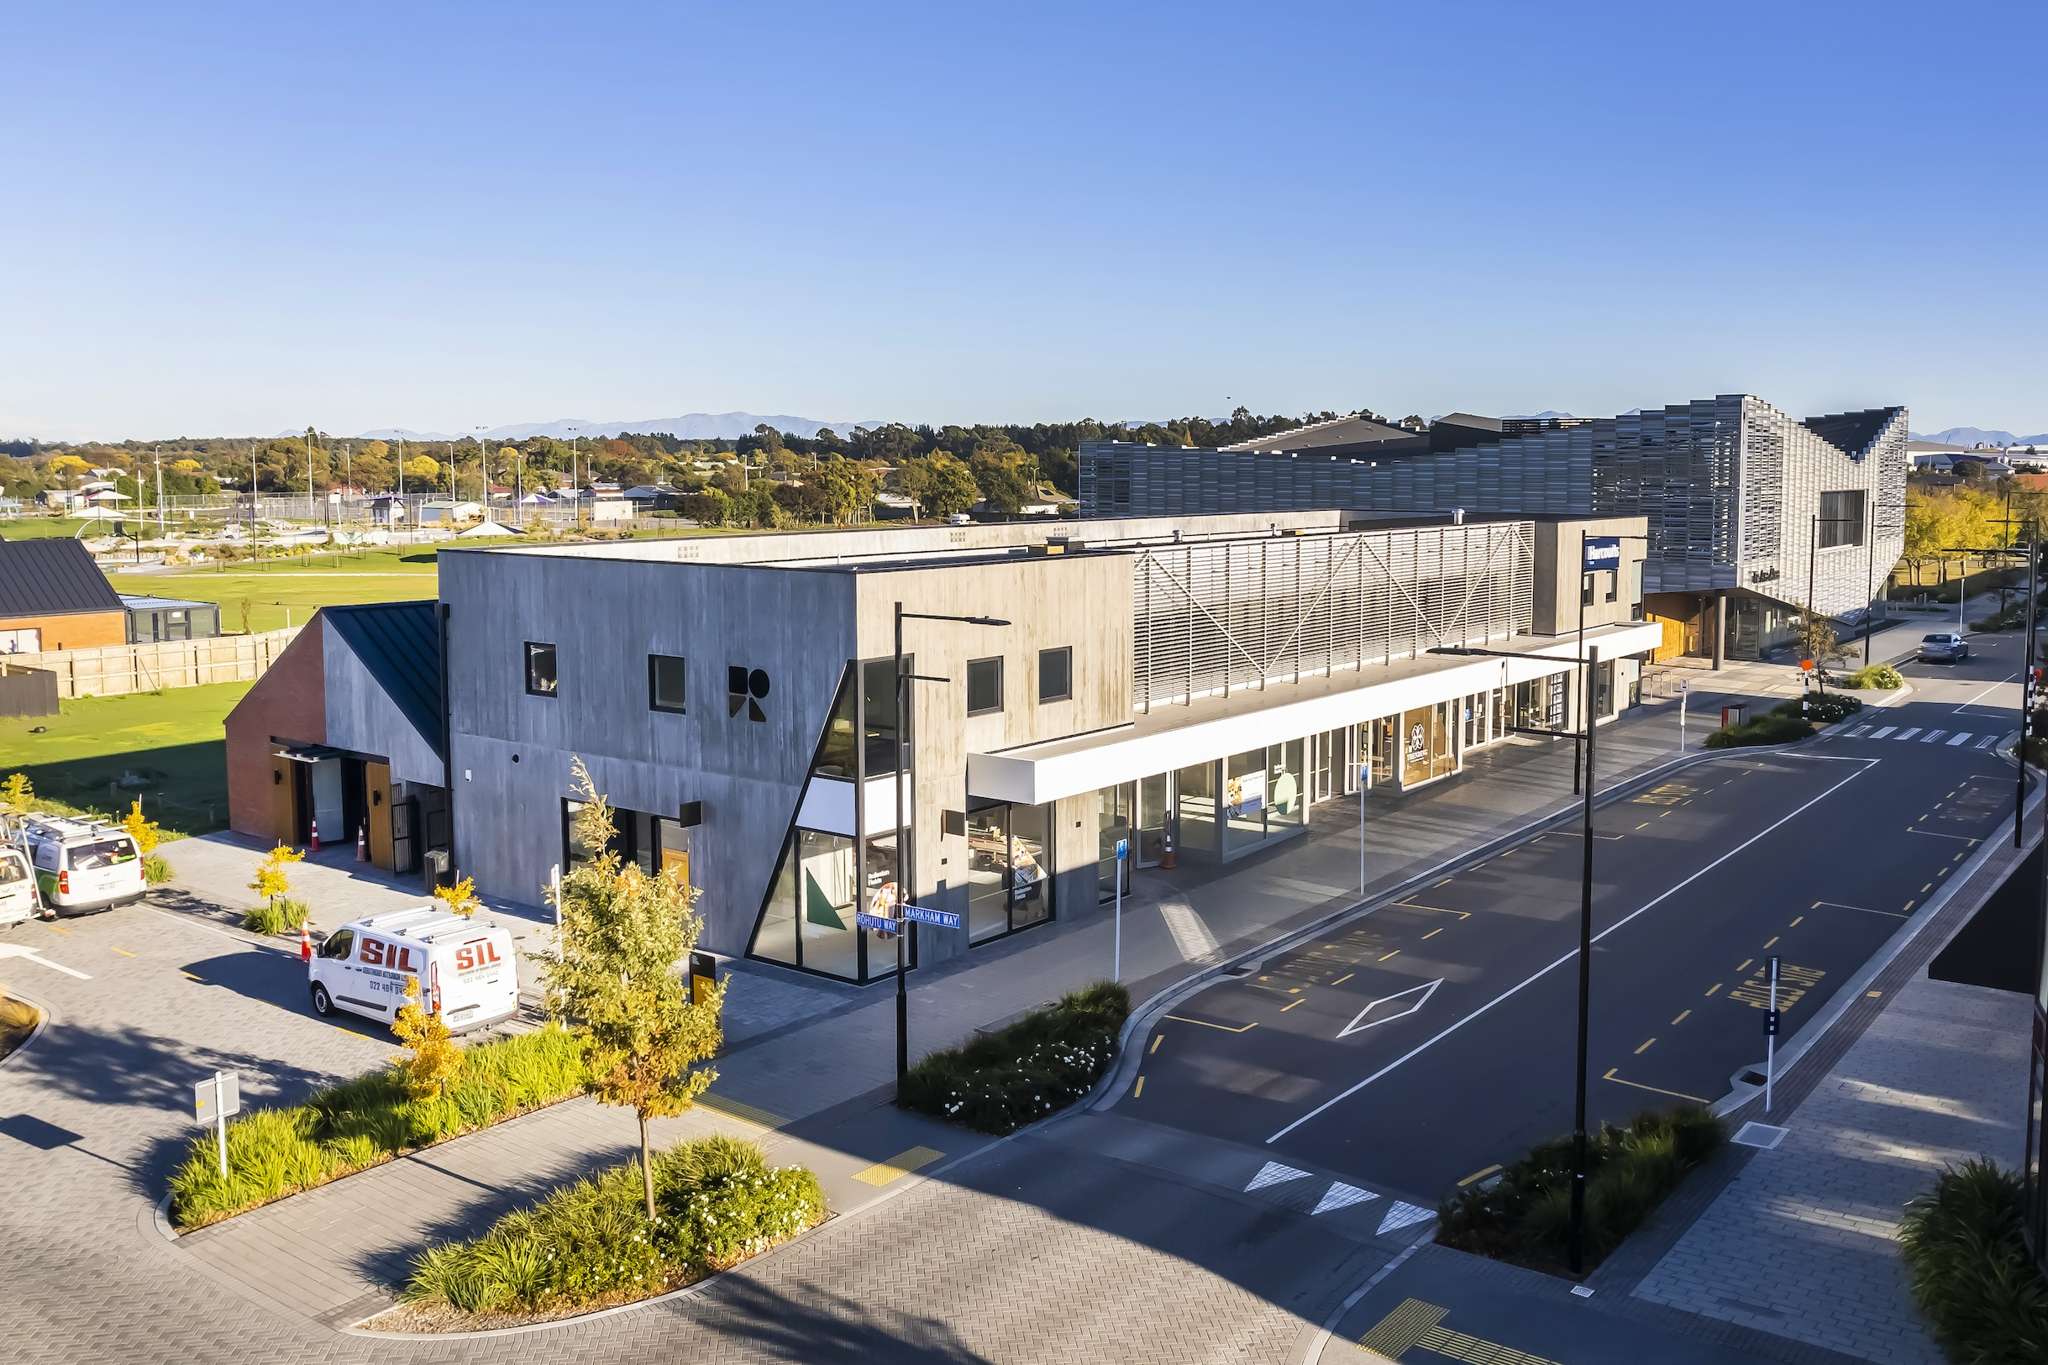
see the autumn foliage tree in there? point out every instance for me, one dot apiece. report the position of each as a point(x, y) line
point(615, 977)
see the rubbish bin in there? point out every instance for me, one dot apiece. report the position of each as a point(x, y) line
point(434, 867)
point(1734, 713)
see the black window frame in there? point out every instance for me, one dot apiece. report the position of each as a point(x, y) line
point(1066, 693)
point(654, 702)
point(554, 668)
point(972, 664)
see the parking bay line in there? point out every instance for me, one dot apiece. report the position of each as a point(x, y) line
point(1867, 764)
point(1864, 909)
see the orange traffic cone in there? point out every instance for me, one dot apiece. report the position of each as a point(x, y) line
point(305, 941)
point(315, 843)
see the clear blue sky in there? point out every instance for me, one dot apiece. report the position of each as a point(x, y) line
point(239, 219)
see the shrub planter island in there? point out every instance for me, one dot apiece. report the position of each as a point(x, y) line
point(1787, 721)
point(368, 1121)
point(1524, 1216)
point(1970, 1270)
point(1021, 1073)
point(589, 1245)
point(1881, 676)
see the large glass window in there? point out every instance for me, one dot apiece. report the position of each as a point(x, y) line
point(1427, 751)
point(1196, 823)
point(878, 711)
point(827, 895)
point(1382, 747)
point(1153, 816)
point(1841, 518)
point(1009, 869)
point(1030, 865)
point(1112, 822)
point(1285, 794)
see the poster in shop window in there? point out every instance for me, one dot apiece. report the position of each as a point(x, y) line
point(1244, 795)
point(1418, 743)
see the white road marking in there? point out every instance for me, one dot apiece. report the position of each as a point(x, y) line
point(1273, 1173)
point(1987, 692)
point(1860, 731)
point(1907, 734)
point(1341, 1196)
point(1962, 737)
point(1403, 1215)
point(1191, 937)
point(1882, 731)
point(1987, 741)
point(1428, 989)
point(23, 951)
point(1931, 736)
point(1659, 899)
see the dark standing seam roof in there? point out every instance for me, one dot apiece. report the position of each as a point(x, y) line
point(400, 644)
point(1850, 432)
point(52, 578)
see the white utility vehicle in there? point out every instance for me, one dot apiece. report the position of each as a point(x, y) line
point(468, 972)
point(82, 865)
point(18, 900)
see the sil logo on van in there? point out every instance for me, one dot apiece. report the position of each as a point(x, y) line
point(474, 957)
point(377, 953)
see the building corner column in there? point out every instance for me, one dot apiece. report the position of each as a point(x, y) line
point(1720, 629)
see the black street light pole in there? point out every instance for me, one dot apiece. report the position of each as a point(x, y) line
point(905, 862)
point(1588, 727)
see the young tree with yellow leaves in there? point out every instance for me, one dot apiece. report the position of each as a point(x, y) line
point(459, 899)
point(616, 977)
point(434, 1057)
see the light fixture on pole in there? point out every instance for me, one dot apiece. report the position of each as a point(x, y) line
point(906, 862)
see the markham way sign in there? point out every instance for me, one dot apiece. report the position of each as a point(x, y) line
point(1602, 553)
point(915, 914)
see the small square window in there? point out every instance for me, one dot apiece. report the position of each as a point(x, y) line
point(665, 683)
point(540, 669)
point(1614, 586)
point(1586, 591)
point(984, 686)
point(1055, 674)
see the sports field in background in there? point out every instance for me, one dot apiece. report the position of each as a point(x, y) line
point(284, 592)
point(99, 753)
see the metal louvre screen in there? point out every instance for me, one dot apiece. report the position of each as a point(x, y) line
point(1215, 617)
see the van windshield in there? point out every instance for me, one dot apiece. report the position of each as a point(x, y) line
point(102, 853)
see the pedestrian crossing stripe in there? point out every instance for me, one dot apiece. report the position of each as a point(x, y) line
point(1985, 742)
point(1962, 738)
point(1883, 731)
point(1909, 733)
point(1403, 1215)
point(1931, 736)
point(1859, 732)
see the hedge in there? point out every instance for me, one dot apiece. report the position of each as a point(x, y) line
point(1525, 1215)
point(274, 1152)
point(1969, 1267)
point(1043, 1062)
point(1881, 676)
point(589, 1244)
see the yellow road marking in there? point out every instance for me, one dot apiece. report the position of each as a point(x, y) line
point(1478, 1175)
point(1715, 987)
point(1911, 904)
point(1959, 857)
point(1417, 905)
point(1294, 990)
point(1743, 966)
point(1434, 932)
point(898, 1166)
point(1795, 921)
point(1645, 1047)
point(746, 1113)
point(1943, 872)
point(1241, 1028)
point(57, 929)
point(1653, 1089)
point(1445, 882)
point(1873, 995)
point(1768, 942)
point(1344, 978)
point(1139, 1089)
point(1682, 1016)
point(1927, 888)
point(1157, 1039)
point(1415, 1323)
point(194, 976)
point(1395, 953)
point(123, 951)
point(1644, 825)
point(1287, 1007)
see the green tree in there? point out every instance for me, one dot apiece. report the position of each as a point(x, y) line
point(1815, 639)
point(1007, 475)
point(423, 469)
point(939, 484)
point(616, 976)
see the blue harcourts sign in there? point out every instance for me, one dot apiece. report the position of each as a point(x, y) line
point(1602, 553)
point(944, 919)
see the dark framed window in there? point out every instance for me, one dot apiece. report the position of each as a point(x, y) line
point(1586, 590)
point(665, 683)
point(1614, 585)
point(540, 669)
point(1056, 674)
point(1841, 518)
point(984, 686)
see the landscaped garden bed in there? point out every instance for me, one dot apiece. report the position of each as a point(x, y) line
point(1971, 1273)
point(589, 1245)
point(1524, 1215)
point(18, 1020)
point(1020, 1073)
point(369, 1120)
point(1787, 721)
point(1883, 677)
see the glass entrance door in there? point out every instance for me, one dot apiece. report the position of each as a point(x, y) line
point(1155, 808)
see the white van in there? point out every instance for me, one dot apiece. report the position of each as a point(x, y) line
point(18, 900)
point(468, 972)
point(82, 865)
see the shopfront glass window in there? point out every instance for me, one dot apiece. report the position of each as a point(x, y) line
point(835, 755)
point(827, 893)
point(988, 860)
point(1244, 799)
point(878, 712)
point(1113, 822)
point(1030, 865)
point(1284, 783)
point(1503, 711)
point(1384, 746)
point(1197, 822)
point(775, 939)
point(1153, 814)
point(881, 889)
point(1603, 690)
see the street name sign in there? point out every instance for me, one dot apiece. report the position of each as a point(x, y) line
point(881, 924)
point(218, 1096)
point(944, 919)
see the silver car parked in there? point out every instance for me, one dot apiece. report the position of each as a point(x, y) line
point(1943, 647)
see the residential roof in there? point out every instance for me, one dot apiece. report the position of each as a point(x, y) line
point(141, 601)
point(53, 577)
point(400, 644)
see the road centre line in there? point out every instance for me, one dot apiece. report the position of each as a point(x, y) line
point(1478, 1175)
point(1348, 975)
point(1157, 1039)
point(1715, 987)
point(1796, 812)
point(1645, 1047)
point(1683, 1015)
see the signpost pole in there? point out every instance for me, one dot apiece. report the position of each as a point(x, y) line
point(1364, 777)
point(1123, 848)
point(220, 1118)
point(1771, 1037)
point(1683, 694)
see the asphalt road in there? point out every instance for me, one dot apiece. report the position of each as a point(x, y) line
point(1432, 1040)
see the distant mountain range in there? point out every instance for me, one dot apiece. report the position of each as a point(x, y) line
point(691, 426)
point(1979, 436)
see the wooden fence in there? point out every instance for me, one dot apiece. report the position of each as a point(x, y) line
point(116, 670)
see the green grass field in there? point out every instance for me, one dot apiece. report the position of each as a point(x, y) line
point(38, 528)
point(99, 753)
point(287, 591)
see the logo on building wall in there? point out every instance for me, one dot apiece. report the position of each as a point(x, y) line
point(745, 688)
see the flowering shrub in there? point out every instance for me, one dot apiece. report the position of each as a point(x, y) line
point(717, 1203)
point(1018, 1075)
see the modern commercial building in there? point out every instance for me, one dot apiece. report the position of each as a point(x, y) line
point(1753, 514)
point(1195, 685)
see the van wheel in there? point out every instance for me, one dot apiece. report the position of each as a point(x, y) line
point(322, 1004)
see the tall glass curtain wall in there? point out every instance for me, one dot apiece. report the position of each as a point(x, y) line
point(826, 877)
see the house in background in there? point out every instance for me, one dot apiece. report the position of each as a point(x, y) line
point(151, 619)
point(52, 596)
point(444, 512)
point(345, 729)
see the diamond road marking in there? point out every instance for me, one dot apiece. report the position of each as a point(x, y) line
point(1341, 1196)
point(1273, 1173)
point(1403, 1215)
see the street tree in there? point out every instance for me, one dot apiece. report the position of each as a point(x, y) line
point(939, 484)
point(615, 976)
point(1815, 639)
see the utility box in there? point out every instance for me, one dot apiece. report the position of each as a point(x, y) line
point(1734, 713)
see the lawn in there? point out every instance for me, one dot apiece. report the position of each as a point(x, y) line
point(38, 528)
point(98, 753)
point(284, 592)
